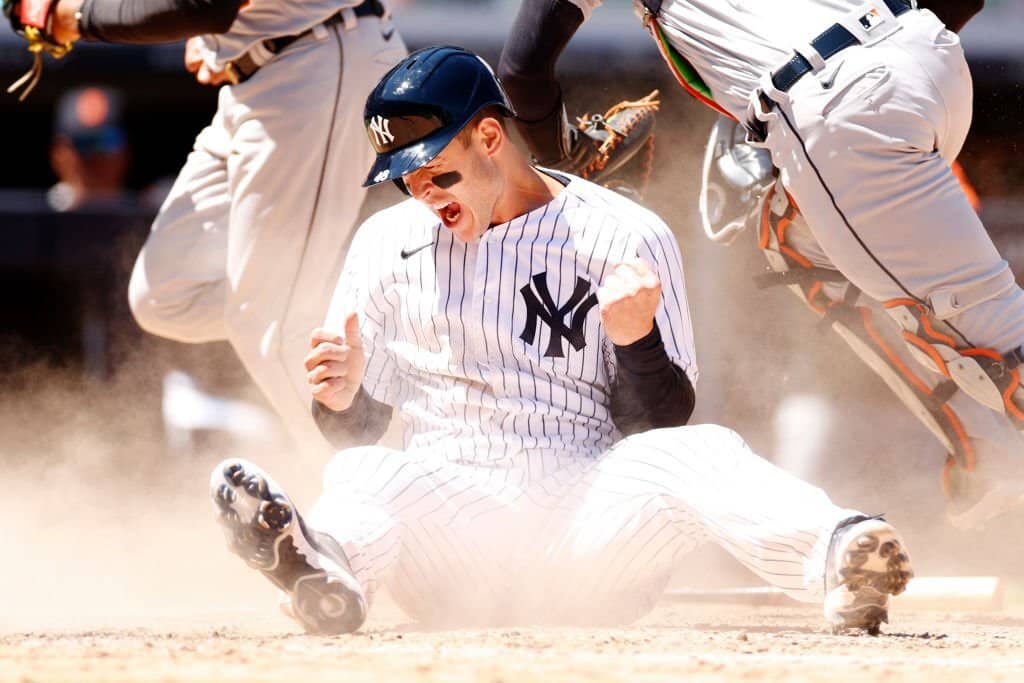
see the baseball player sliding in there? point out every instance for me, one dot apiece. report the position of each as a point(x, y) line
point(263, 209)
point(531, 330)
point(862, 107)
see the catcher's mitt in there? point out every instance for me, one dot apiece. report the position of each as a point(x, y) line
point(32, 20)
point(607, 144)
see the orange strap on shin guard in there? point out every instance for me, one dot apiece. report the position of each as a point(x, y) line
point(877, 345)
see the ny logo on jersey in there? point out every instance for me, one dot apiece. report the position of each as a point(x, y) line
point(381, 129)
point(542, 306)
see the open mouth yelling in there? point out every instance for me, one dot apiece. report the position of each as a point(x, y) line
point(450, 213)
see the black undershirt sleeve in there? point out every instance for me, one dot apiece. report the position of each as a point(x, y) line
point(154, 21)
point(364, 422)
point(538, 36)
point(650, 391)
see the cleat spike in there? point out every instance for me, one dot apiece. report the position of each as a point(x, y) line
point(234, 473)
point(255, 486)
point(225, 494)
point(307, 565)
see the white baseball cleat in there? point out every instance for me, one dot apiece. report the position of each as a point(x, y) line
point(263, 527)
point(866, 563)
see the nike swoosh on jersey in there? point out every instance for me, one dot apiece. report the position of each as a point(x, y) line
point(406, 253)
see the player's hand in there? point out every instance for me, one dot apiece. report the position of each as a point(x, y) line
point(336, 365)
point(628, 300)
point(63, 22)
point(196, 64)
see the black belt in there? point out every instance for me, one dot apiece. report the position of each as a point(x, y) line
point(245, 66)
point(833, 40)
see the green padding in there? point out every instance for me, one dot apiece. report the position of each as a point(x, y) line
point(687, 72)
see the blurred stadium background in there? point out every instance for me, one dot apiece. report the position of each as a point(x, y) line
point(71, 351)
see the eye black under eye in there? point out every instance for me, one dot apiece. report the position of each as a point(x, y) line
point(446, 180)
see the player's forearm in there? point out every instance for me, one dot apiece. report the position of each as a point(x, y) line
point(538, 36)
point(143, 21)
point(540, 33)
point(953, 13)
point(364, 422)
point(650, 391)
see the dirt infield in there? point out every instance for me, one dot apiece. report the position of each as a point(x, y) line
point(676, 642)
point(114, 570)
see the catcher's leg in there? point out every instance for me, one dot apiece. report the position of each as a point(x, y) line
point(971, 432)
point(740, 190)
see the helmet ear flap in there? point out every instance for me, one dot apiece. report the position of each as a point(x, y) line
point(402, 187)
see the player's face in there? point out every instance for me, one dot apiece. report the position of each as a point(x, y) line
point(460, 185)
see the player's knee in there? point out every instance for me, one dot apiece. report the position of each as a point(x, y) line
point(143, 307)
point(174, 315)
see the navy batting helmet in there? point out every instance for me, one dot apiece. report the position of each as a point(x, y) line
point(421, 105)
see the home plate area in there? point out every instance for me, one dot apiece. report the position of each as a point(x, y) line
point(693, 636)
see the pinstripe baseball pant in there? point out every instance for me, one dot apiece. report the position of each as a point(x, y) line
point(555, 538)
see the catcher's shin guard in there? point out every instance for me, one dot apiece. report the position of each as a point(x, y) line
point(989, 377)
point(740, 190)
point(854, 317)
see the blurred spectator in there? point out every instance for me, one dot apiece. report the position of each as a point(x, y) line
point(89, 152)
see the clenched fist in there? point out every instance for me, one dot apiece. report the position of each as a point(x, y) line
point(336, 365)
point(628, 300)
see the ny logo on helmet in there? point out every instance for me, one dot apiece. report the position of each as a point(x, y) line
point(381, 129)
point(541, 306)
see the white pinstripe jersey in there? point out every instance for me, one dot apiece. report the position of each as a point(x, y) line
point(495, 348)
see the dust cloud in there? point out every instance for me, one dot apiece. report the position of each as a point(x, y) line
point(104, 522)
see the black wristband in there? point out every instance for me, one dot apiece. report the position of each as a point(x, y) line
point(365, 421)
